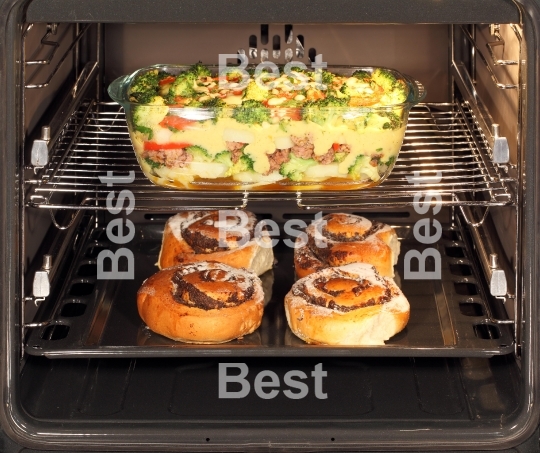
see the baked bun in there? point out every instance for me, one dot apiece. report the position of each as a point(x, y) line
point(194, 236)
point(349, 305)
point(339, 239)
point(204, 302)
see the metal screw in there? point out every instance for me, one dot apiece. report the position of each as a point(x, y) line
point(47, 262)
point(494, 261)
point(45, 133)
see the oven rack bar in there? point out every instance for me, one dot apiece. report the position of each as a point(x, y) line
point(443, 141)
point(483, 59)
point(54, 46)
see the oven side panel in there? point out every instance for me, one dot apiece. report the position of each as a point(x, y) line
point(11, 15)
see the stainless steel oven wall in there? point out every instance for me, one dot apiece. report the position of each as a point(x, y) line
point(44, 46)
point(503, 105)
point(497, 69)
point(417, 50)
point(54, 56)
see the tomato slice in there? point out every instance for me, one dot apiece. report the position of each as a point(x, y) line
point(180, 101)
point(287, 95)
point(176, 122)
point(335, 146)
point(153, 146)
point(313, 95)
point(295, 114)
point(167, 80)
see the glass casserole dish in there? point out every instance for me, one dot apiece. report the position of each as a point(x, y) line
point(193, 127)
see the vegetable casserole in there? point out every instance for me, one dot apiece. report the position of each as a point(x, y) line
point(192, 127)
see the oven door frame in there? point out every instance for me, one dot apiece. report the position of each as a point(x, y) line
point(34, 433)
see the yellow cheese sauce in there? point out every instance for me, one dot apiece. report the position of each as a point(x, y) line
point(261, 141)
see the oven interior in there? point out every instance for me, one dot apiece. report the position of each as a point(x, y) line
point(458, 374)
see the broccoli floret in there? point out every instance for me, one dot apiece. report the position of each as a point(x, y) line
point(390, 161)
point(256, 92)
point(364, 76)
point(327, 77)
point(355, 170)
point(234, 76)
point(379, 121)
point(224, 157)
point(396, 96)
point(153, 164)
point(199, 70)
point(395, 90)
point(393, 120)
point(339, 157)
point(147, 117)
point(295, 168)
point(245, 163)
point(182, 86)
point(384, 79)
point(251, 112)
point(199, 154)
point(332, 102)
point(339, 93)
point(362, 169)
point(146, 86)
point(145, 130)
point(322, 110)
point(321, 76)
point(194, 103)
point(216, 105)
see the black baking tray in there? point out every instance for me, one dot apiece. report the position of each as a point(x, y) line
point(99, 318)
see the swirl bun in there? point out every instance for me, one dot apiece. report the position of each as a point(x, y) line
point(349, 305)
point(194, 236)
point(339, 239)
point(205, 302)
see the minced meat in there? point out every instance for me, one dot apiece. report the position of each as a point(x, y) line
point(236, 150)
point(303, 146)
point(171, 158)
point(280, 156)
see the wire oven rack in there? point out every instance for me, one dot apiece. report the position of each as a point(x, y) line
point(441, 137)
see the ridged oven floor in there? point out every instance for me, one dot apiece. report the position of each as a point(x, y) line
point(399, 391)
point(99, 317)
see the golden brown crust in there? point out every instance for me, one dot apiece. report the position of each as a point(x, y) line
point(339, 239)
point(191, 237)
point(162, 306)
point(350, 305)
point(307, 324)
